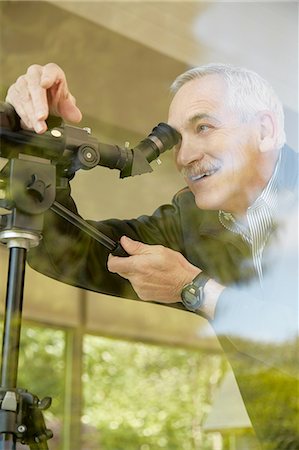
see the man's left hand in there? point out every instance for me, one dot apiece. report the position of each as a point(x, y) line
point(156, 273)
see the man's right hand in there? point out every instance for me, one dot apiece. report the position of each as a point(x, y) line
point(42, 91)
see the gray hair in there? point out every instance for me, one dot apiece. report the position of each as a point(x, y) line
point(249, 93)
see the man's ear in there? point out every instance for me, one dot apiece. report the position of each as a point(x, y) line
point(267, 131)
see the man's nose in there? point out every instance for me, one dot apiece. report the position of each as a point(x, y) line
point(188, 152)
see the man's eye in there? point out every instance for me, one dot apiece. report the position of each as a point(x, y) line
point(203, 128)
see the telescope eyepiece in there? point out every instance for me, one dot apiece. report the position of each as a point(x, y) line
point(164, 136)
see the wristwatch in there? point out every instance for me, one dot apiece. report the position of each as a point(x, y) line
point(193, 293)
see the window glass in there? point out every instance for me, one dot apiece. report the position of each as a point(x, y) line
point(146, 397)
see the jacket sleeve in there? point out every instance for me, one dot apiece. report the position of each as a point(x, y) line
point(68, 254)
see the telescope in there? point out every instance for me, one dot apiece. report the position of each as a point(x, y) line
point(71, 148)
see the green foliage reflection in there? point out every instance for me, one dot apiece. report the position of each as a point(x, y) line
point(137, 396)
point(42, 365)
point(147, 397)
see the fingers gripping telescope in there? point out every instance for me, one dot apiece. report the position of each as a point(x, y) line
point(72, 148)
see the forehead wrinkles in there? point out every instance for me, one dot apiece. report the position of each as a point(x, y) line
point(200, 96)
point(195, 112)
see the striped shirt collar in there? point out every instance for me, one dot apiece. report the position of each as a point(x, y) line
point(260, 219)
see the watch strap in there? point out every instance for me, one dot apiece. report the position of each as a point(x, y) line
point(201, 279)
point(192, 293)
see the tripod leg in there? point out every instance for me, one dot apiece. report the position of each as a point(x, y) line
point(7, 442)
point(12, 324)
point(12, 330)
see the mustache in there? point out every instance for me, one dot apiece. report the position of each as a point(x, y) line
point(199, 168)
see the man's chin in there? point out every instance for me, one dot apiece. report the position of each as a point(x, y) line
point(206, 203)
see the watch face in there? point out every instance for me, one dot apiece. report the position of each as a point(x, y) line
point(192, 296)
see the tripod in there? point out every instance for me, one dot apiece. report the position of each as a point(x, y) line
point(37, 166)
point(31, 187)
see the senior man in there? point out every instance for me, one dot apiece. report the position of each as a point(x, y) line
point(215, 248)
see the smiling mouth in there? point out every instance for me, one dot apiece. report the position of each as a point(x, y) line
point(208, 173)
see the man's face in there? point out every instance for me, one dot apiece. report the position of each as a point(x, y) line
point(218, 154)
